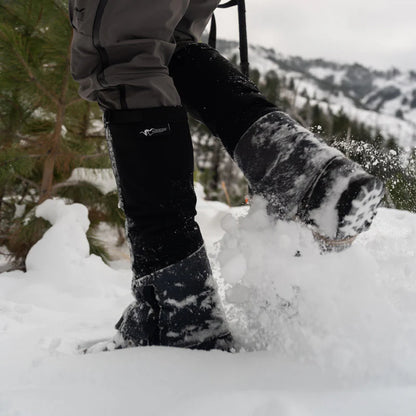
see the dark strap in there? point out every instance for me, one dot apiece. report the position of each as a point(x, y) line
point(147, 115)
point(212, 39)
point(242, 23)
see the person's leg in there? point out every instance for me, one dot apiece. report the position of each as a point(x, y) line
point(298, 175)
point(176, 300)
point(121, 50)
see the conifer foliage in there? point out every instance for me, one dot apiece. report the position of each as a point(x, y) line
point(45, 128)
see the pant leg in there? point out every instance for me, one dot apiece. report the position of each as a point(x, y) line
point(121, 49)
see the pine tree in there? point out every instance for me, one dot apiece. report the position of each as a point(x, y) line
point(271, 87)
point(44, 125)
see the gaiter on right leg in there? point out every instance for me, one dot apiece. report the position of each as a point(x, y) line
point(176, 298)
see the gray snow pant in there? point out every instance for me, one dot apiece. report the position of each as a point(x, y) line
point(121, 48)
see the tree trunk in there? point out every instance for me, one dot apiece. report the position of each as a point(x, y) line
point(50, 160)
point(52, 155)
point(2, 192)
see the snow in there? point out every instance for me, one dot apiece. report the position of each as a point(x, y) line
point(323, 73)
point(102, 178)
point(96, 128)
point(384, 119)
point(347, 312)
point(321, 334)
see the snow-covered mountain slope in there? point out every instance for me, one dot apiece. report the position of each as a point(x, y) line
point(383, 100)
point(324, 335)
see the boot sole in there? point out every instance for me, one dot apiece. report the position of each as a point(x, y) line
point(360, 194)
point(358, 206)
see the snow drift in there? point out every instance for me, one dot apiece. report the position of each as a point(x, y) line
point(321, 334)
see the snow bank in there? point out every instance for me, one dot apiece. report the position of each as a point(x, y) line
point(331, 334)
point(63, 282)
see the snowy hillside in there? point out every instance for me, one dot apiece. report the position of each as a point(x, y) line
point(322, 335)
point(383, 100)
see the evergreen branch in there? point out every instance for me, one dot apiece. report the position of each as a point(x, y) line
point(7, 162)
point(28, 181)
point(62, 185)
point(67, 76)
point(39, 17)
point(93, 156)
point(64, 10)
point(7, 10)
point(36, 81)
point(33, 78)
point(7, 202)
point(24, 194)
point(74, 101)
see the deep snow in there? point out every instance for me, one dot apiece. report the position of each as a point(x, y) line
point(322, 334)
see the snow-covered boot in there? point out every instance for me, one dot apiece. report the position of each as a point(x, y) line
point(298, 174)
point(176, 300)
point(303, 178)
point(177, 306)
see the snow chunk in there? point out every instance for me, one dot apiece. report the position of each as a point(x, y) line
point(65, 243)
point(61, 268)
point(349, 312)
